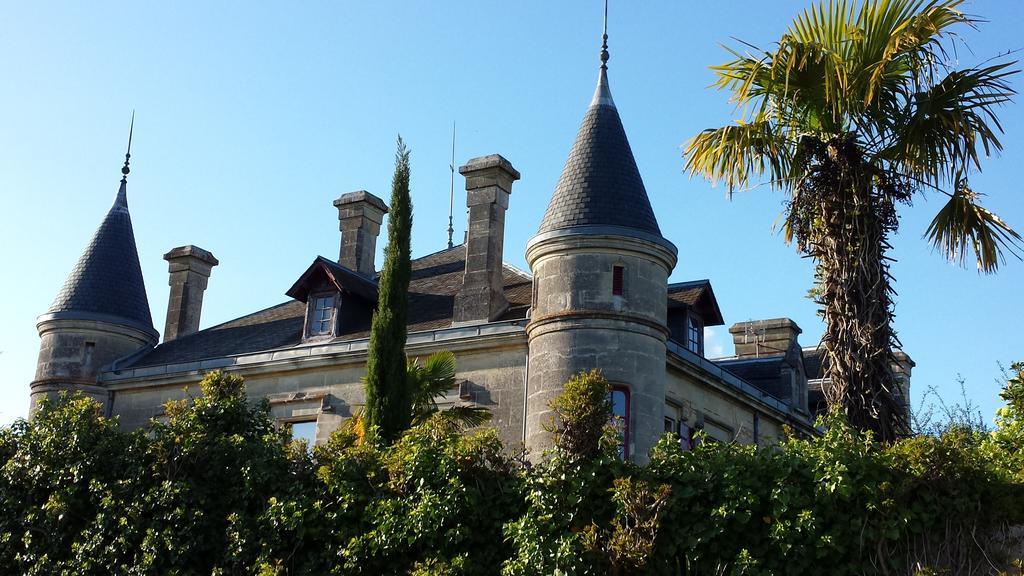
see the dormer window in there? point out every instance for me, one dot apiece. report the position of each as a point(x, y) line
point(322, 311)
point(338, 301)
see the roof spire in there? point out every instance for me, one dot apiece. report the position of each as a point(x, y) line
point(127, 155)
point(451, 192)
point(107, 285)
point(604, 39)
point(603, 93)
point(122, 192)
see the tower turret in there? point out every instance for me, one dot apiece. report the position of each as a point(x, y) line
point(100, 315)
point(600, 267)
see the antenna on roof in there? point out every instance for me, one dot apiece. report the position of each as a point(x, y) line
point(451, 191)
point(757, 332)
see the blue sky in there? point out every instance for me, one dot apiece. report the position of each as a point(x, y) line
point(252, 117)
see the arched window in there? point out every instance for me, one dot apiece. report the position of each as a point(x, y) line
point(620, 417)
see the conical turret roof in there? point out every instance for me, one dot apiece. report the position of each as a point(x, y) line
point(600, 184)
point(107, 283)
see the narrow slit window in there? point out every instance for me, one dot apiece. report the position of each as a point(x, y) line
point(620, 418)
point(617, 281)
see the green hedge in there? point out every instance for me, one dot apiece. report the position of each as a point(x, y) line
point(219, 490)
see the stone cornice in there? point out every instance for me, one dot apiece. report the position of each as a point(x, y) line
point(75, 320)
point(583, 239)
point(589, 315)
point(489, 336)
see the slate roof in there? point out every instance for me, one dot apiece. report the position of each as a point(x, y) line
point(696, 294)
point(812, 362)
point(435, 280)
point(764, 373)
point(107, 279)
point(600, 184)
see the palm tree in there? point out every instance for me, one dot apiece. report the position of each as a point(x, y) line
point(855, 111)
point(432, 380)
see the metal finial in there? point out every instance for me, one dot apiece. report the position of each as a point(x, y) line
point(451, 191)
point(604, 39)
point(127, 155)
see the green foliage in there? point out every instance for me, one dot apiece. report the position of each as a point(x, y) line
point(1008, 438)
point(443, 501)
point(433, 379)
point(218, 489)
point(582, 413)
point(388, 393)
point(70, 484)
point(215, 464)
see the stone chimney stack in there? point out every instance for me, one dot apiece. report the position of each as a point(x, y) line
point(761, 338)
point(902, 369)
point(189, 268)
point(359, 216)
point(488, 185)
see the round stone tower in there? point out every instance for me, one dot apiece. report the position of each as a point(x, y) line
point(100, 315)
point(600, 270)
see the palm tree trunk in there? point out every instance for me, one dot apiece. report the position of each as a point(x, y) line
point(848, 240)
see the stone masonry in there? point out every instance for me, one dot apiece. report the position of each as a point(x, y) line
point(488, 186)
point(189, 268)
point(359, 217)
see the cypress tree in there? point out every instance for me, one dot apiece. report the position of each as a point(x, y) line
point(388, 396)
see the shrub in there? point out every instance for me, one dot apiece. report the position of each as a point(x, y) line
point(219, 489)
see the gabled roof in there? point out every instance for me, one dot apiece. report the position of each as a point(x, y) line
point(436, 278)
point(342, 278)
point(600, 184)
point(106, 283)
point(696, 294)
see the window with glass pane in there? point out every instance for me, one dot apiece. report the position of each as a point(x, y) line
point(617, 280)
point(620, 418)
point(322, 316)
point(695, 334)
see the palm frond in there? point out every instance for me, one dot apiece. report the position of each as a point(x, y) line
point(901, 41)
point(944, 130)
point(963, 224)
point(737, 154)
point(464, 417)
point(431, 379)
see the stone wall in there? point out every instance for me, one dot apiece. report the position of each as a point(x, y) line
point(578, 324)
point(700, 400)
point(332, 390)
point(73, 352)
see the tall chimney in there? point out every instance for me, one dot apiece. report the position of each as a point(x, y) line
point(359, 216)
point(488, 185)
point(760, 338)
point(901, 369)
point(190, 268)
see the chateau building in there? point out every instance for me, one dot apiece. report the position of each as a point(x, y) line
point(596, 296)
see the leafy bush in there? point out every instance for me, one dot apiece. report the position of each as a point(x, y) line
point(219, 489)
